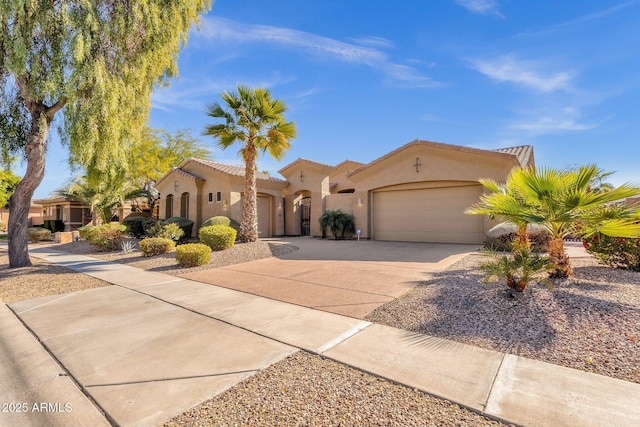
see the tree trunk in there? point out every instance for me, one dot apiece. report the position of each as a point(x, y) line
point(20, 201)
point(249, 226)
point(559, 260)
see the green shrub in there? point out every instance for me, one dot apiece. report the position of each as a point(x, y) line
point(86, 231)
point(137, 225)
point(155, 246)
point(193, 254)
point(185, 224)
point(218, 237)
point(166, 231)
point(37, 234)
point(222, 220)
point(616, 252)
point(3, 226)
point(53, 225)
point(502, 236)
point(341, 224)
point(107, 237)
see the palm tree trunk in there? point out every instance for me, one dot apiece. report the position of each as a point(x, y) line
point(559, 259)
point(249, 227)
point(522, 238)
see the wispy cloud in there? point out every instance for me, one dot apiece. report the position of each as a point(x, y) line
point(367, 52)
point(481, 7)
point(566, 119)
point(531, 74)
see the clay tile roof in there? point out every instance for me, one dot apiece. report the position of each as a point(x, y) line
point(237, 170)
point(524, 154)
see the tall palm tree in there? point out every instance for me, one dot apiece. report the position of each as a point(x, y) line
point(564, 202)
point(256, 121)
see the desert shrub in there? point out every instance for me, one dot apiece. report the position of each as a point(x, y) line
point(217, 237)
point(341, 224)
point(169, 231)
point(86, 231)
point(53, 225)
point(616, 252)
point(193, 254)
point(37, 234)
point(502, 236)
point(107, 237)
point(137, 225)
point(155, 246)
point(3, 226)
point(222, 220)
point(185, 224)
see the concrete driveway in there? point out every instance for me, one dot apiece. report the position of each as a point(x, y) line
point(344, 277)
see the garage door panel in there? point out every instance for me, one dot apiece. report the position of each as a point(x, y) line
point(428, 215)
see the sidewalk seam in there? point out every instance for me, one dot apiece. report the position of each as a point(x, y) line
point(64, 370)
point(495, 378)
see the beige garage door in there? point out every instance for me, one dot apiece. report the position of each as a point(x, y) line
point(427, 215)
point(264, 217)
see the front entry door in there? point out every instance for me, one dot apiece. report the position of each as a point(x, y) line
point(305, 225)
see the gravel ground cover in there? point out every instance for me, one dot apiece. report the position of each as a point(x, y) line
point(308, 390)
point(590, 322)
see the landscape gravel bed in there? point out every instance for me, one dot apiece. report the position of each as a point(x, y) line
point(39, 280)
point(308, 390)
point(239, 253)
point(589, 322)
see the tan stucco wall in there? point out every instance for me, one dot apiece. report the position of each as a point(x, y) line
point(212, 181)
point(437, 167)
point(339, 176)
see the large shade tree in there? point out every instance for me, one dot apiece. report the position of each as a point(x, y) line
point(566, 202)
point(99, 61)
point(256, 121)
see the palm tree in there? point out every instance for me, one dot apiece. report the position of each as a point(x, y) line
point(103, 195)
point(564, 202)
point(257, 122)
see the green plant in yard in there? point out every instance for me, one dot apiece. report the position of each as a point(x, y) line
point(107, 237)
point(37, 234)
point(222, 220)
point(184, 223)
point(616, 252)
point(566, 202)
point(338, 222)
point(86, 231)
point(217, 237)
point(127, 247)
point(156, 246)
point(516, 269)
point(193, 255)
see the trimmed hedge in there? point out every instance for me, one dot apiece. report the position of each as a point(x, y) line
point(185, 224)
point(53, 225)
point(37, 234)
point(155, 246)
point(107, 237)
point(222, 220)
point(218, 237)
point(193, 254)
point(137, 225)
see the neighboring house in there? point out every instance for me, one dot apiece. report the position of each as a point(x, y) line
point(35, 215)
point(417, 192)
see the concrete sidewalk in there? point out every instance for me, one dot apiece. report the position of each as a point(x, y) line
point(128, 348)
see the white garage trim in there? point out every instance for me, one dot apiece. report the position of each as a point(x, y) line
point(434, 214)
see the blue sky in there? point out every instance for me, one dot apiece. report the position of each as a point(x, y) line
point(362, 78)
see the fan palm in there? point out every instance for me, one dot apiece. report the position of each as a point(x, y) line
point(256, 121)
point(564, 202)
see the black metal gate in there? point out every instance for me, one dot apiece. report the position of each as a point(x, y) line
point(305, 216)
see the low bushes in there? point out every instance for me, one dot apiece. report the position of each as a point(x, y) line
point(502, 236)
point(155, 246)
point(222, 220)
point(137, 225)
point(193, 254)
point(218, 237)
point(53, 225)
point(185, 224)
point(617, 252)
point(107, 237)
point(37, 234)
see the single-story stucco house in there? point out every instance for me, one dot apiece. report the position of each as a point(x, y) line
point(417, 192)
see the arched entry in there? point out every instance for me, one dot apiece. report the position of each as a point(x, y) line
point(305, 216)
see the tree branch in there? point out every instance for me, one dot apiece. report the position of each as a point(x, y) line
point(50, 111)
